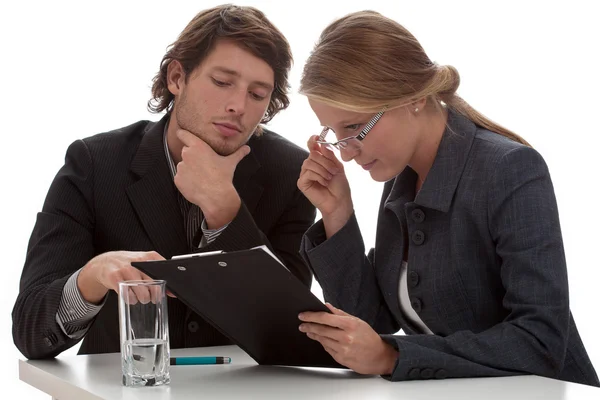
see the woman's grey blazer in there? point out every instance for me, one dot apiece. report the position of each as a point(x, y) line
point(486, 265)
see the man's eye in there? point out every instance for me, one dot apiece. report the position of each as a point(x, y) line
point(219, 83)
point(352, 127)
point(256, 96)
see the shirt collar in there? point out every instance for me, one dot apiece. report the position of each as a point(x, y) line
point(172, 167)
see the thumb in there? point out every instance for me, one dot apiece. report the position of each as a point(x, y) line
point(337, 311)
point(239, 154)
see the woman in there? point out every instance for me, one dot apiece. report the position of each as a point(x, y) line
point(469, 259)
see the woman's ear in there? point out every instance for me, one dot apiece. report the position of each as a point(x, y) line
point(418, 105)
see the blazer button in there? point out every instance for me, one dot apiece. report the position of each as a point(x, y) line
point(418, 237)
point(413, 278)
point(414, 373)
point(441, 374)
point(427, 373)
point(416, 304)
point(417, 215)
point(193, 326)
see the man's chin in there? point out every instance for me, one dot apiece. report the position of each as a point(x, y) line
point(225, 149)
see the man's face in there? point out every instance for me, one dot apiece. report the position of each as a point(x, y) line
point(224, 98)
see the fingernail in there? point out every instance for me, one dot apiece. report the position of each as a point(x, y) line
point(302, 328)
point(301, 315)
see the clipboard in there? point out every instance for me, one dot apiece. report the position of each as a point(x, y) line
point(251, 298)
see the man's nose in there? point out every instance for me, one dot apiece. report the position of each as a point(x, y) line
point(237, 102)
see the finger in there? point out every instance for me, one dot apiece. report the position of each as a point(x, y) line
point(157, 294)
point(327, 163)
point(308, 178)
point(152, 256)
point(142, 292)
point(332, 346)
point(335, 334)
point(312, 143)
point(170, 294)
point(187, 138)
point(131, 297)
point(312, 165)
point(333, 353)
point(324, 318)
point(337, 311)
point(328, 153)
point(239, 154)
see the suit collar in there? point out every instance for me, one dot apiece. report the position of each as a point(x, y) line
point(438, 189)
point(154, 195)
point(150, 149)
point(244, 179)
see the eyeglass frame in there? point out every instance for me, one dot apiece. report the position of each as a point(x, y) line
point(343, 143)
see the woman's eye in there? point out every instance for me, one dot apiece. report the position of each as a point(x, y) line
point(352, 127)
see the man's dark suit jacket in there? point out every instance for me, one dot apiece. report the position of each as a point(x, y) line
point(486, 265)
point(115, 192)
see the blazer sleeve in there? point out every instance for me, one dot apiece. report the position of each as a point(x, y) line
point(283, 239)
point(524, 224)
point(60, 244)
point(346, 274)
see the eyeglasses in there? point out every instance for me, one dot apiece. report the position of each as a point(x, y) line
point(352, 142)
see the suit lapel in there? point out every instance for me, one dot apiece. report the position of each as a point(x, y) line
point(249, 189)
point(391, 245)
point(154, 195)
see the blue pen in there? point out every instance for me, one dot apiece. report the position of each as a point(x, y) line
point(199, 360)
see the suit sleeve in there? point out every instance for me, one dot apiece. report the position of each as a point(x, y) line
point(60, 244)
point(284, 239)
point(524, 224)
point(347, 275)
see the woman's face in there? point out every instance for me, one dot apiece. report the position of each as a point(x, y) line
point(388, 147)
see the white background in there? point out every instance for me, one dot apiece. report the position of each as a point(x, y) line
point(70, 70)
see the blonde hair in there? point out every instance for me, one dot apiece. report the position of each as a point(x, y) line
point(365, 62)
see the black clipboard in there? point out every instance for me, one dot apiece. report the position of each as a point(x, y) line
point(250, 297)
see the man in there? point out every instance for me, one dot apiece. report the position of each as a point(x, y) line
point(203, 178)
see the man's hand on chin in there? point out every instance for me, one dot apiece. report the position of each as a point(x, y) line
point(205, 178)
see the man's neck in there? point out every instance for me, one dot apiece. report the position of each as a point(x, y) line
point(174, 144)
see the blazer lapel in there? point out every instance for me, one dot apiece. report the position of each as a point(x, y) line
point(154, 195)
point(249, 189)
point(391, 235)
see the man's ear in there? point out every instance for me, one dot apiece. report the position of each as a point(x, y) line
point(175, 77)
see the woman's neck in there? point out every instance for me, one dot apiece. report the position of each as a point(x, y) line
point(434, 125)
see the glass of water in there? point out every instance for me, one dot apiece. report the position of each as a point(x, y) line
point(144, 327)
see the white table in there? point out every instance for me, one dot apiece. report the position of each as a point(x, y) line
point(99, 377)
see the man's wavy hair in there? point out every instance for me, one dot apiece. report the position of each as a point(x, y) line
point(248, 28)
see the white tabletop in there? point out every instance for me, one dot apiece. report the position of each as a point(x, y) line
point(99, 377)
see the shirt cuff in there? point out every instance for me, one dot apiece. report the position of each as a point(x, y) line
point(210, 235)
point(75, 314)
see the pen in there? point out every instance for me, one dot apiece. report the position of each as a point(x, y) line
point(191, 360)
point(199, 360)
